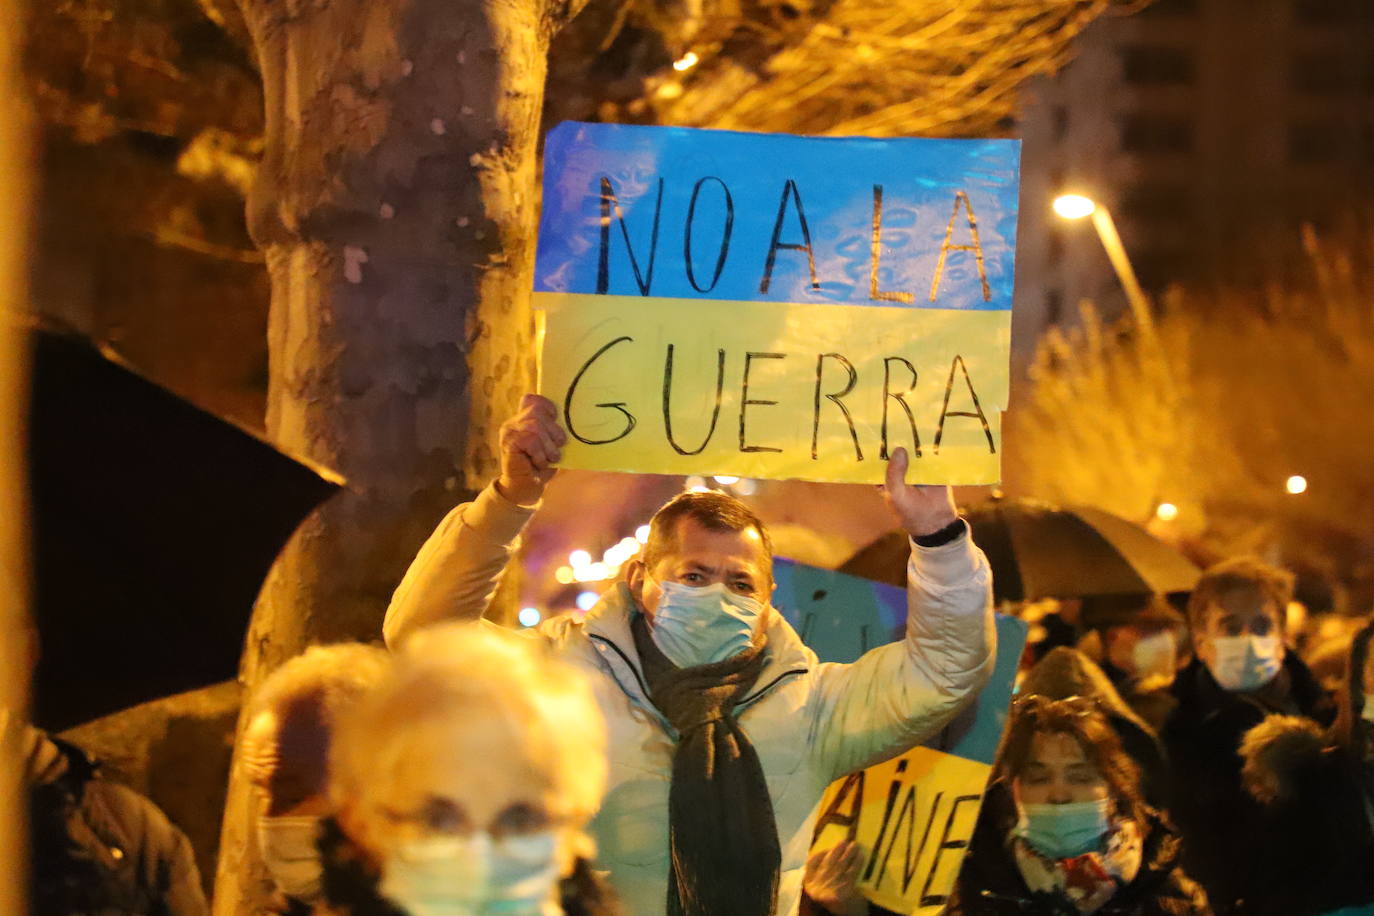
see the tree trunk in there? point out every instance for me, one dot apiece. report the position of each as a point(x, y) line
point(395, 208)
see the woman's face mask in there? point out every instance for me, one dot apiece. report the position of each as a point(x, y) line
point(474, 875)
point(698, 626)
point(1062, 831)
point(1244, 663)
point(288, 850)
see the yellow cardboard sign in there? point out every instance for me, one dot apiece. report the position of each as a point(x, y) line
point(913, 816)
point(775, 390)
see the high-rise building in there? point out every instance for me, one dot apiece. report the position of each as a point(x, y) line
point(1211, 129)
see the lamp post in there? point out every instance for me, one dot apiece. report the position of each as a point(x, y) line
point(1076, 206)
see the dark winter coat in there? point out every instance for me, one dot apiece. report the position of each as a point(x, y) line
point(1319, 854)
point(101, 848)
point(990, 884)
point(1153, 704)
point(350, 883)
point(1316, 791)
point(1223, 839)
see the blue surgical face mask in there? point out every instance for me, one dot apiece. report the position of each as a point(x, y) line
point(474, 875)
point(1246, 662)
point(1065, 831)
point(699, 626)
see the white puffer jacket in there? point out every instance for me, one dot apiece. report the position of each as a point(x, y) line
point(810, 723)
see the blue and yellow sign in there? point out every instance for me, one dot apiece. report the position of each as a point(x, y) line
point(765, 305)
point(913, 815)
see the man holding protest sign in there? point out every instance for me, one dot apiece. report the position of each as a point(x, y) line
point(724, 729)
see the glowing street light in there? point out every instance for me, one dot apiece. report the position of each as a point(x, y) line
point(686, 62)
point(1166, 512)
point(1076, 206)
point(1296, 484)
point(530, 616)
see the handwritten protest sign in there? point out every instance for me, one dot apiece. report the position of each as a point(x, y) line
point(912, 815)
point(764, 305)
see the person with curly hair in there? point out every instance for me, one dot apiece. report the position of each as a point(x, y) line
point(1064, 829)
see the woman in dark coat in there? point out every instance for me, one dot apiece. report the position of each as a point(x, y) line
point(1316, 789)
point(1064, 830)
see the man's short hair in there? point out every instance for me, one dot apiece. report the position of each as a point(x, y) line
point(1239, 574)
point(286, 752)
point(712, 510)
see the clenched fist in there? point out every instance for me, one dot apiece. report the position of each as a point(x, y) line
point(531, 444)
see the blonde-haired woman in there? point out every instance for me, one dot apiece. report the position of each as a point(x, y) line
point(464, 782)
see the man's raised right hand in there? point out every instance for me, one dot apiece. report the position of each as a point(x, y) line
point(531, 444)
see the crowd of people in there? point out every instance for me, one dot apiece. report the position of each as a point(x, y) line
point(665, 753)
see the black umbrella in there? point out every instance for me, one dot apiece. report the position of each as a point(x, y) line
point(154, 524)
point(1041, 551)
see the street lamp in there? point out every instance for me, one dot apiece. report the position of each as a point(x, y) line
point(1076, 206)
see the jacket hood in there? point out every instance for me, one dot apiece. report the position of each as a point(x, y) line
point(1281, 756)
point(1066, 672)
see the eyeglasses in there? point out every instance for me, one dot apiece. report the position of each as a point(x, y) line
point(1037, 705)
point(443, 816)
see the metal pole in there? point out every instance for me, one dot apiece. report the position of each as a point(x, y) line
point(1116, 253)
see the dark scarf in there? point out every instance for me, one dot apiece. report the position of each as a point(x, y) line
point(722, 833)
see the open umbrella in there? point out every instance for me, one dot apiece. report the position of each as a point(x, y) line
point(1041, 551)
point(153, 525)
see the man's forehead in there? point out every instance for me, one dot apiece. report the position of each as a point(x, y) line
point(693, 540)
point(1245, 599)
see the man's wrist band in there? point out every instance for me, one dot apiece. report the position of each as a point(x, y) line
point(945, 535)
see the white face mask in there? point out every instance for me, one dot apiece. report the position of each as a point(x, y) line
point(288, 850)
point(1246, 662)
point(1155, 655)
point(475, 875)
point(698, 626)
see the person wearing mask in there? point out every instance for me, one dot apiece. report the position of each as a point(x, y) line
point(1242, 672)
point(725, 729)
point(464, 782)
point(1317, 792)
point(96, 846)
point(285, 753)
point(1064, 830)
point(1135, 639)
point(1065, 673)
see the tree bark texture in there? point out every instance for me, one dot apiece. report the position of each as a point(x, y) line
point(395, 207)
